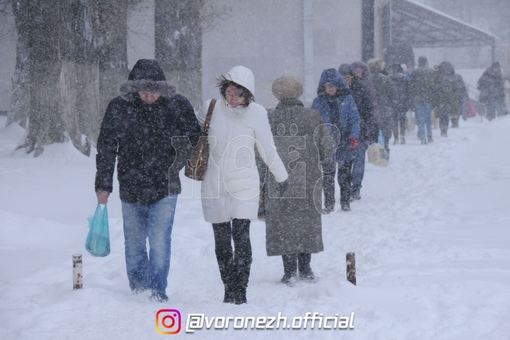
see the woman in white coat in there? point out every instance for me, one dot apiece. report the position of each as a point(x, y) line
point(230, 189)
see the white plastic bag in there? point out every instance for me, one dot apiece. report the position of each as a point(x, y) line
point(377, 155)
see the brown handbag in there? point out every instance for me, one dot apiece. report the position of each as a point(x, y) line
point(196, 166)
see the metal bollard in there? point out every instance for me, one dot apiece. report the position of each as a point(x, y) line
point(351, 268)
point(77, 272)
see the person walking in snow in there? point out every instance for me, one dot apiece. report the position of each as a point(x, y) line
point(230, 189)
point(424, 97)
point(293, 215)
point(386, 95)
point(363, 92)
point(459, 90)
point(337, 108)
point(449, 100)
point(401, 104)
point(138, 132)
point(492, 91)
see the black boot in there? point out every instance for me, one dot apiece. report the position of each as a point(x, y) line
point(225, 259)
point(305, 271)
point(345, 180)
point(242, 258)
point(328, 185)
point(229, 296)
point(239, 295)
point(289, 269)
point(355, 195)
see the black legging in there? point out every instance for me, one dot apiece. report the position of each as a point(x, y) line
point(344, 180)
point(234, 264)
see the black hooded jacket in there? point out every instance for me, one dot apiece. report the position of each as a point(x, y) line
point(150, 142)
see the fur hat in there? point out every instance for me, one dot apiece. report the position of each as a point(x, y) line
point(345, 69)
point(146, 75)
point(287, 87)
point(375, 64)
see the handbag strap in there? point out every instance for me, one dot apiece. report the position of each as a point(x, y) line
point(208, 116)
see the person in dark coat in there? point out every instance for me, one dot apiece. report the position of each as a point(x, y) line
point(459, 90)
point(385, 90)
point(401, 104)
point(149, 130)
point(492, 91)
point(338, 109)
point(363, 92)
point(424, 97)
point(450, 97)
point(293, 215)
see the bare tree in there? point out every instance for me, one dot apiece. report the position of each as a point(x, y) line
point(71, 57)
point(112, 58)
point(41, 20)
point(20, 98)
point(178, 42)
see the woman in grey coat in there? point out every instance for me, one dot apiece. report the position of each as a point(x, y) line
point(293, 211)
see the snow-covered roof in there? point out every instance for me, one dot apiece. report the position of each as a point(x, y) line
point(423, 26)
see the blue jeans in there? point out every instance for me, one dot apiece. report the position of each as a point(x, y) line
point(358, 167)
point(153, 222)
point(424, 120)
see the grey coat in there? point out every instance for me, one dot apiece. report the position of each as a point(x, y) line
point(293, 212)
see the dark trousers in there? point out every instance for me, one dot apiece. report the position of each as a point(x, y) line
point(328, 187)
point(234, 264)
point(294, 262)
point(399, 123)
point(344, 180)
point(444, 121)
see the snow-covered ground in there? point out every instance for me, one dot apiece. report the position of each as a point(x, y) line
point(431, 236)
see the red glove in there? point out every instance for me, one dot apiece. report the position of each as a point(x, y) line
point(354, 142)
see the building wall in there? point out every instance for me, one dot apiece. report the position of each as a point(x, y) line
point(378, 27)
point(271, 42)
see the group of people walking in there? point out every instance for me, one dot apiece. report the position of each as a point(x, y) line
point(292, 152)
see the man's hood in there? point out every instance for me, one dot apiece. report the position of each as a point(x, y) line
point(148, 76)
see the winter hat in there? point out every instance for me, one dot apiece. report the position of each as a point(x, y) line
point(446, 68)
point(422, 61)
point(362, 66)
point(243, 76)
point(375, 64)
point(148, 76)
point(345, 69)
point(147, 69)
point(395, 68)
point(287, 87)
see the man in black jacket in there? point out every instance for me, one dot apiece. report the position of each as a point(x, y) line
point(149, 130)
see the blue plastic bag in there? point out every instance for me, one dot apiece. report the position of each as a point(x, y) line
point(98, 238)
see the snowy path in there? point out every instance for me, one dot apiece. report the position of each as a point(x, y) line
point(431, 237)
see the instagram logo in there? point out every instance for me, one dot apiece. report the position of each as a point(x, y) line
point(168, 321)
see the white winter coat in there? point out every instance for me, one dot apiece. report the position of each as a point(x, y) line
point(231, 185)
